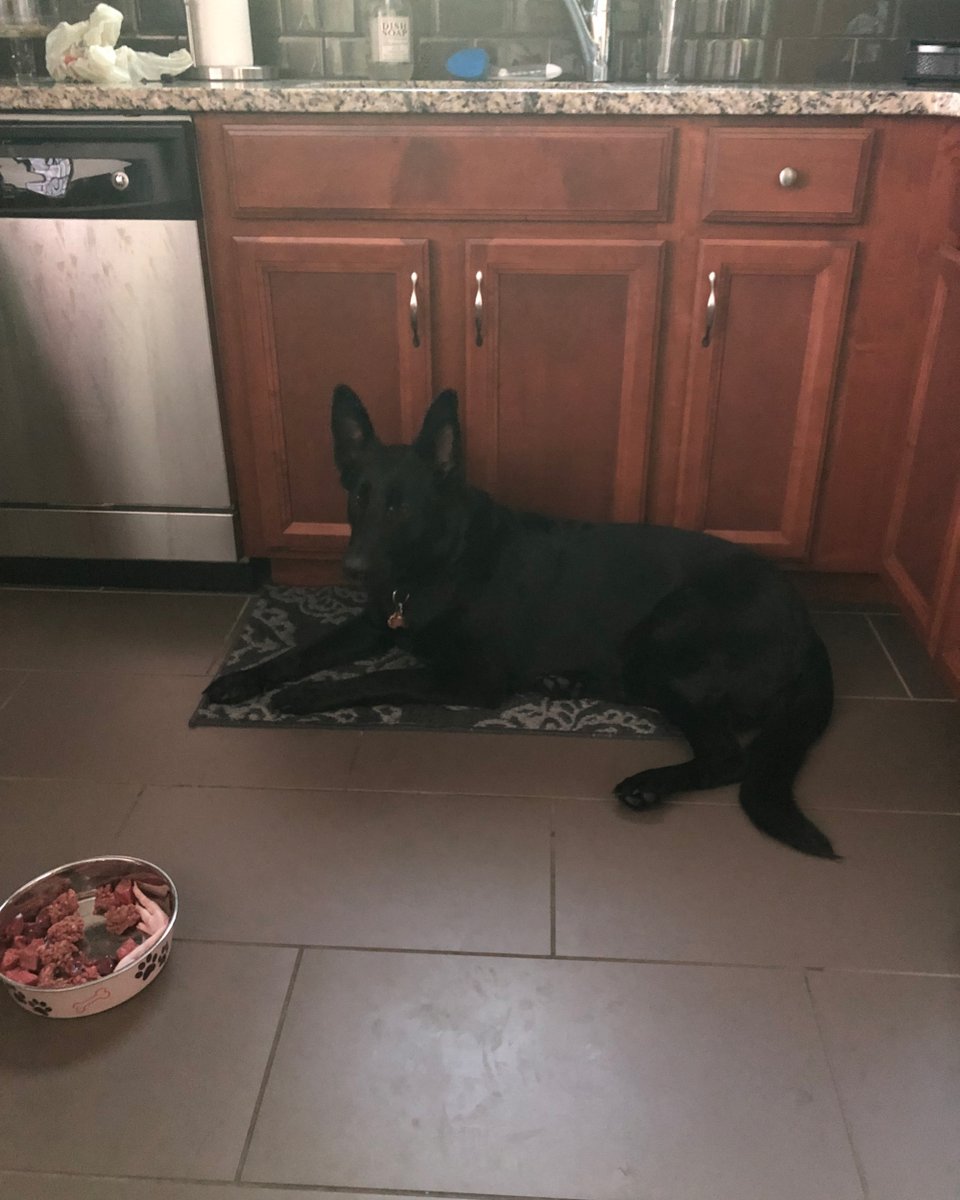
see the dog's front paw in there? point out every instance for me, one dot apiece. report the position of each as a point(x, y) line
point(234, 687)
point(637, 792)
point(299, 700)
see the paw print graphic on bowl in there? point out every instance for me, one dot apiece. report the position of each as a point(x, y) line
point(150, 963)
point(19, 997)
point(41, 1008)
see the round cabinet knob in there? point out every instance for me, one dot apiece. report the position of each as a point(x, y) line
point(789, 177)
point(121, 180)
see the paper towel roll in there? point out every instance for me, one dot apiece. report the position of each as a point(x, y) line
point(220, 33)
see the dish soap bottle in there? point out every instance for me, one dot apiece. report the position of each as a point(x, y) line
point(391, 40)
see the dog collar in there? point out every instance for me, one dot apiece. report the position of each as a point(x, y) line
point(397, 620)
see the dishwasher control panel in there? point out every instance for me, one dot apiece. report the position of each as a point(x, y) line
point(97, 170)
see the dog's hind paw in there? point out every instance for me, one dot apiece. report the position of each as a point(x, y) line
point(636, 792)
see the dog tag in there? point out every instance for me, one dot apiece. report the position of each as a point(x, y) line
point(396, 620)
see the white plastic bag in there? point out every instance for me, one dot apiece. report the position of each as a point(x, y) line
point(88, 50)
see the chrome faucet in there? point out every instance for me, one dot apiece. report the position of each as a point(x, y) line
point(591, 23)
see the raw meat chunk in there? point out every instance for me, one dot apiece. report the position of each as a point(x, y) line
point(70, 929)
point(122, 918)
point(64, 906)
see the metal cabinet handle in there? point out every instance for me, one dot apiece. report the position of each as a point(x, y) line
point(789, 177)
point(478, 308)
point(414, 311)
point(120, 180)
point(711, 309)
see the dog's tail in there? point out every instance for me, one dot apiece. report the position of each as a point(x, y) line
point(776, 754)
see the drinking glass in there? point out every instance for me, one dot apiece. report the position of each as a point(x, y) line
point(22, 22)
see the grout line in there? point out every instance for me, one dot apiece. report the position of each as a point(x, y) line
point(124, 821)
point(30, 1172)
point(16, 687)
point(352, 763)
point(268, 1068)
point(313, 1189)
point(573, 958)
point(188, 593)
point(485, 954)
point(836, 1086)
point(887, 971)
point(365, 1192)
point(890, 812)
point(80, 669)
point(226, 643)
point(202, 941)
point(72, 779)
point(553, 881)
point(343, 791)
point(902, 699)
point(896, 669)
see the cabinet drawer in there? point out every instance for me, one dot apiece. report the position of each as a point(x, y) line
point(747, 175)
point(406, 171)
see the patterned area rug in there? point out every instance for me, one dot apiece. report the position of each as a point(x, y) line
point(282, 617)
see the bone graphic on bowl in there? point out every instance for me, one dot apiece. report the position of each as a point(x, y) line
point(81, 1006)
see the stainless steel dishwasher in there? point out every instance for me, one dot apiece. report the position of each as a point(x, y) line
point(110, 434)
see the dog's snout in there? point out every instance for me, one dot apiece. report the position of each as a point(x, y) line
point(354, 565)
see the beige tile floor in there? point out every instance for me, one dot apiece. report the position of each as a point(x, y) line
point(449, 965)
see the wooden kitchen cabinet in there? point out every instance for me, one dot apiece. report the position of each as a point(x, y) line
point(316, 312)
point(590, 394)
point(922, 557)
point(561, 354)
point(314, 279)
point(777, 176)
point(387, 168)
point(547, 427)
point(767, 326)
point(945, 640)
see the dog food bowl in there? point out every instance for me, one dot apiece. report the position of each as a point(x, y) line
point(94, 996)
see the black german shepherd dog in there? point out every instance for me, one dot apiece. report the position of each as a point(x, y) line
point(492, 601)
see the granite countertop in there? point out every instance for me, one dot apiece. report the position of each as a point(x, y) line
point(579, 99)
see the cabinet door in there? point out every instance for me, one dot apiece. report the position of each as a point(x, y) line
point(945, 640)
point(561, 350)
point(923, 542)
point(759, 388)
point(317, 312)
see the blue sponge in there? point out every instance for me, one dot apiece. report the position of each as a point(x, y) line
point(469, 64)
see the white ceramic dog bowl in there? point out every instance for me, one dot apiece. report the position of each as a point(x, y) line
point(85, 999)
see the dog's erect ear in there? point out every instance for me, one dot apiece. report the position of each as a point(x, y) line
point(352, 431)
point(439, 440)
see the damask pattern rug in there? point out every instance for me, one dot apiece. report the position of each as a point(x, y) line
point(281, 617)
